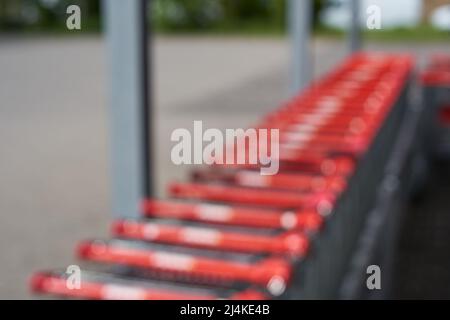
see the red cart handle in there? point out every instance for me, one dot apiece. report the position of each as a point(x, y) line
point(293, 244)
point(57, 285)
point(264, 272)
point(313, 161)
point(288, 181)
point(321, 201)
point(436, 78)
point(233, 215)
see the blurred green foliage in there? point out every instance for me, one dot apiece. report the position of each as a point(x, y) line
point(44, 15)
point(195, 15)
point(254, 17)
point(204, 15)
point(167, 15)
point(423, 33)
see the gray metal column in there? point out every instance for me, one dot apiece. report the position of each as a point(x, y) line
point(354, 32)
point(126, 37)
point(299, 20)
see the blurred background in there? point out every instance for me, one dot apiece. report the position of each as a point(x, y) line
point(223, 61)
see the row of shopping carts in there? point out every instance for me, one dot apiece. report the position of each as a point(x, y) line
point(232, 233)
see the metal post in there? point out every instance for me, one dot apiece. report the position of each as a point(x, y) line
point(354, 32)
point(299, 19)
point(126, 35)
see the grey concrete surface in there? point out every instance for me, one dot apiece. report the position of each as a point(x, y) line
point(54, 188)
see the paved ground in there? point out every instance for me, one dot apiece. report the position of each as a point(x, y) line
point(54, 129)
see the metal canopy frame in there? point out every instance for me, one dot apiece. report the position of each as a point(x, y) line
point(354, 31)
point(299, 22)
point(129, 104)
